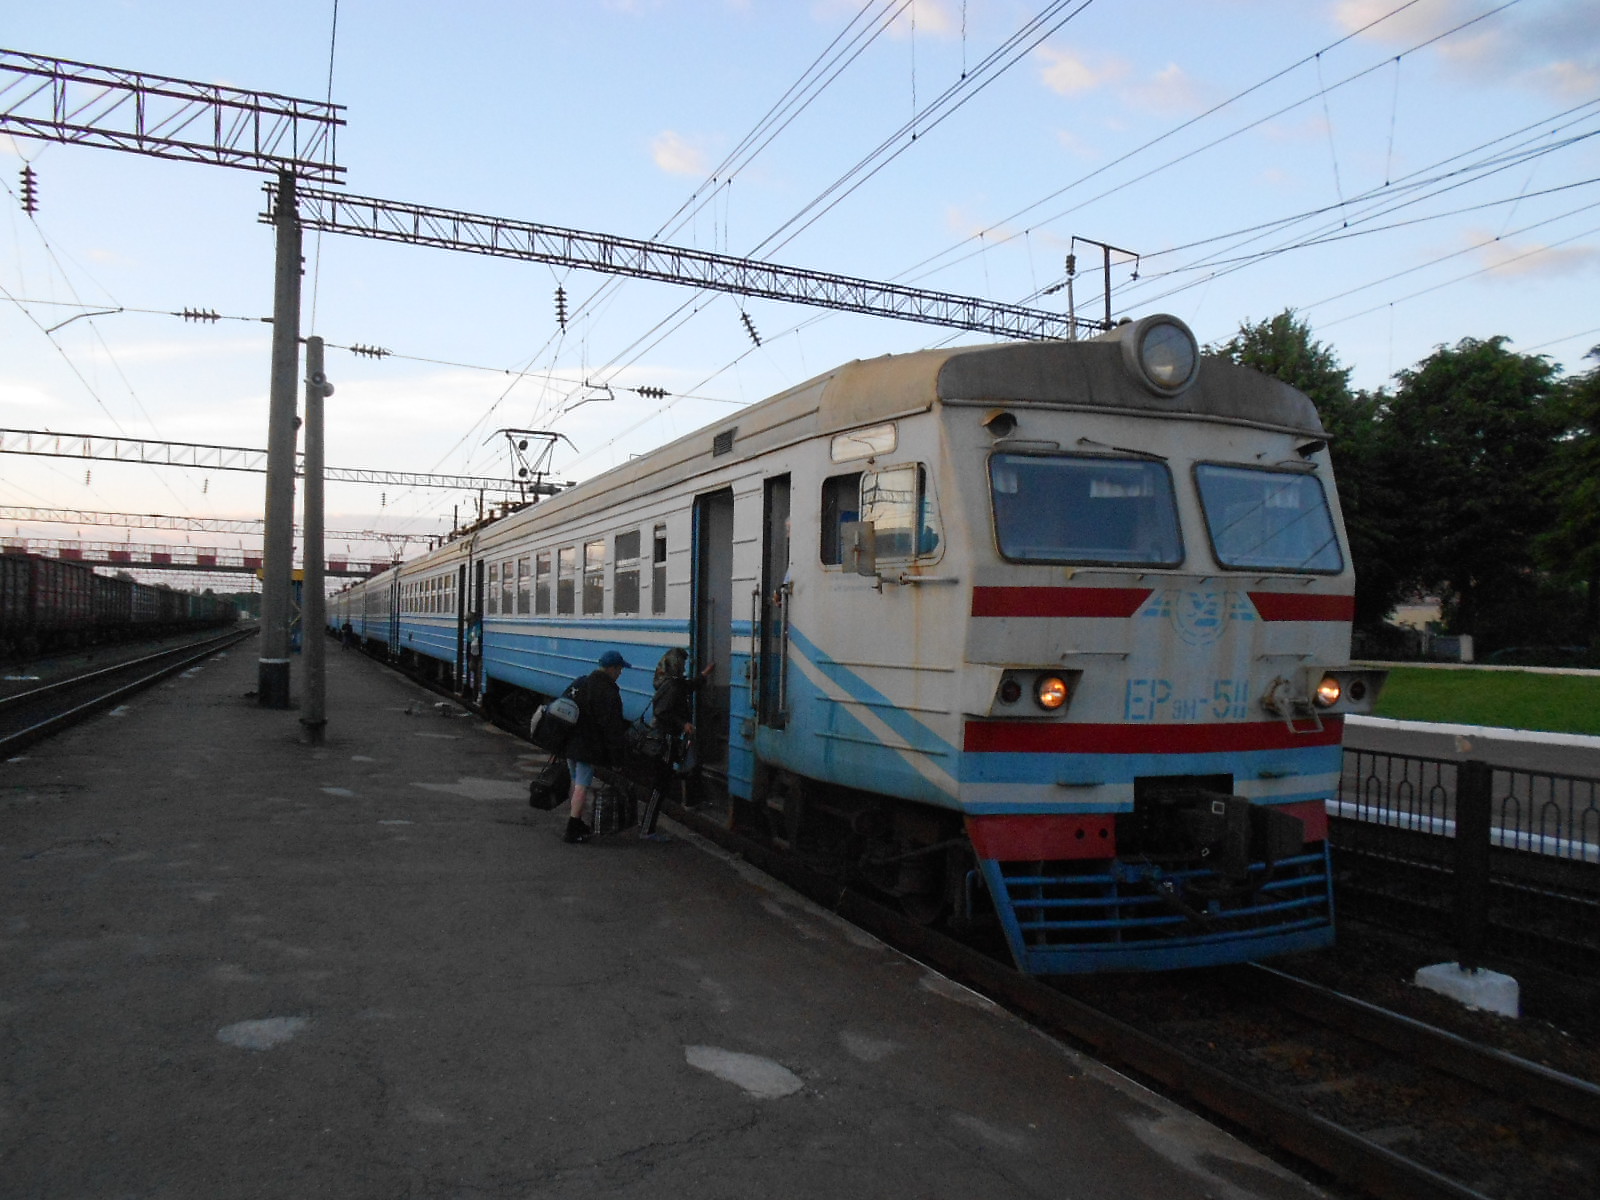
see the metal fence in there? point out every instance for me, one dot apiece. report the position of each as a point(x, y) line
point(1497, 859)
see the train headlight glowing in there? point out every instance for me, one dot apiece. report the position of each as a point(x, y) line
point(1328, 692)
point(1162, 353)
point(1051, 692)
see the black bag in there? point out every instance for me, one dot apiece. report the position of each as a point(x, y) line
point(550, 786)
point(647, 741)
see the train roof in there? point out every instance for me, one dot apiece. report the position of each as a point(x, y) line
point(1088, 374)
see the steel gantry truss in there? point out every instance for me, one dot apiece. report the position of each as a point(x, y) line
point(58, 100)
point(390, 220)
point(236, 458)
point(164, 556)
point(248, 526)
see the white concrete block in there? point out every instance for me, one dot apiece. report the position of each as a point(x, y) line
point(1481, 988)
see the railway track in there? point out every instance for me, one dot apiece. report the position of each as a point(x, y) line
point(28, 716)
point(1385, 1105)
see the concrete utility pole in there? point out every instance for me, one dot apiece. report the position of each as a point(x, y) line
point(277, 560)
point(313, 637)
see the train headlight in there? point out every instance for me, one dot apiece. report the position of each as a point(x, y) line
point(1328, 692)
point(1162, 354)
point(1051, 692)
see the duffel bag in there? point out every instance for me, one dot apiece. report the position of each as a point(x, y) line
point(551, 786)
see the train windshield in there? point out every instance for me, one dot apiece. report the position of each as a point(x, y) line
point(1268, 519)
point(1085, 509)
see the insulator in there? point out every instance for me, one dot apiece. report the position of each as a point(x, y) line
point(1072, 265)
point(652, 393)
point(750, 328)
point(370, 351)
point(561, 307)
point(200, 314)
point(30, 193)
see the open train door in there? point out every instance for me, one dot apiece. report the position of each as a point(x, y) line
point(771, 608)
point(711, 630)
point(462, 597)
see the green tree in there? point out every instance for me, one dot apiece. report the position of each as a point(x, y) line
point(1469, 436)
point(1572, 548)
point(1283, 346)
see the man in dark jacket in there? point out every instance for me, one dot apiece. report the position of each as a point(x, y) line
point(597, 738)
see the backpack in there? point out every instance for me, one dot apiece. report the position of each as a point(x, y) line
point(553, 723)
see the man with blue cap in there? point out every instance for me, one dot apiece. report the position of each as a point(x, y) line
point(597, 738)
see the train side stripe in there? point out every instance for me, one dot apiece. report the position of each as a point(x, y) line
point(1057, 601)
point(1066, 737)
point(1284, 606)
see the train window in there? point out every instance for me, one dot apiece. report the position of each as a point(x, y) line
point(524, 587)
point(841, 499)
point(658, 571)
point(1268, 520)
point(508, 588)
point(1084, 509)
point(566, 579)
point(862, 443)
point(492, 599)
point(903, 514)
point(594, 577)
point(541, 583)
point(625, 580)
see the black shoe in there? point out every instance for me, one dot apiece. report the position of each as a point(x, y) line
point(577, 831)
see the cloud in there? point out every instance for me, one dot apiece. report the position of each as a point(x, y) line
point(1068, 74)
point(1553, 48)
point(1534, 260)
point(677, 155)
point(1171, 92)
point(18, 394)
point(937, 17)
point(1074, 144)
point(964, 224)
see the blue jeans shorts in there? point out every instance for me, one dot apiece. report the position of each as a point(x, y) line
point(582, 773)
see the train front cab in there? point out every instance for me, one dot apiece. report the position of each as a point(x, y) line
point(1156, 662)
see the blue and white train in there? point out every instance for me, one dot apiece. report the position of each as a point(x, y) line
point(1057, 628)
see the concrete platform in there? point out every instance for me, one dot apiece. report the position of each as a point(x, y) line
point(234, 965)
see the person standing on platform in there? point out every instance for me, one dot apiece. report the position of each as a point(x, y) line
point(597, 738)
point(673, 710)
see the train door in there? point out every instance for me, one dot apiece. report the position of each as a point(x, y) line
point(771, 608)
point(474, 628)
point(711, 633)
point(461, 625)
point(394, 616)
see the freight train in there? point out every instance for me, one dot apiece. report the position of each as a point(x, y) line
point(1057, 632)
point(51, 604)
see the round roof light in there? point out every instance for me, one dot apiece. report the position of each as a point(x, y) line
point(1163, 354)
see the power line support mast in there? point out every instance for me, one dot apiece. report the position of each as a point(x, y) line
point(277, 560)
point(313, 606)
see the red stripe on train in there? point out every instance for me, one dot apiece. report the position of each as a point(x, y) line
point(1287, 606)
point(1014, 837)
point(1057, 601)
point(1063, 737)
point(1019, 837)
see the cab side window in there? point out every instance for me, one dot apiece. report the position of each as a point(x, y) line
point(841, 496)
point(902, 511)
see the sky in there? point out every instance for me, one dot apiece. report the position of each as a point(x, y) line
point(1403, 175)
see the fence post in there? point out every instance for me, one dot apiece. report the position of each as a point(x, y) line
point(1474, 801)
